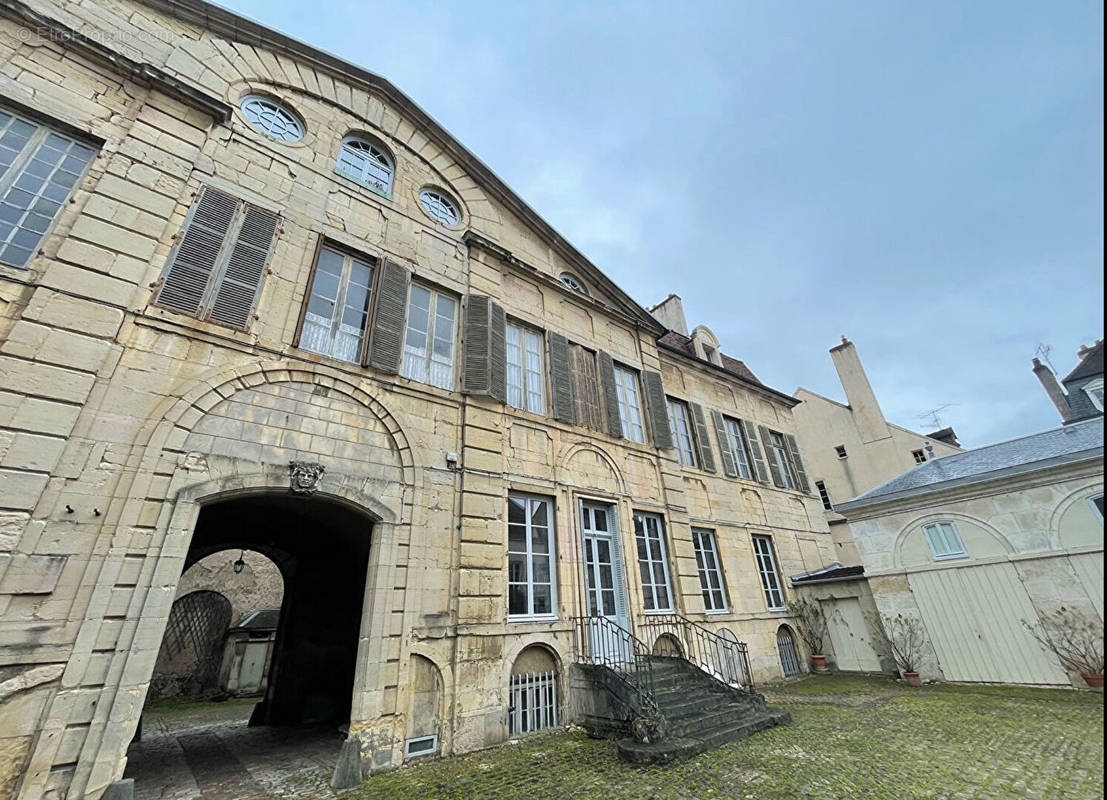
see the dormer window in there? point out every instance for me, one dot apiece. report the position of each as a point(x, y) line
point(365, 162)
point(1094, 390)
point(573, 282)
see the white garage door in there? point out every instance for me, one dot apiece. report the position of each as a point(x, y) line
point(974, 618)
point(853, 649)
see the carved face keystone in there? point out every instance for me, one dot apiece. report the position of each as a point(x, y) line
point(304, 476)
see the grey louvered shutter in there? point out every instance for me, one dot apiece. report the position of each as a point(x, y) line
point(190, 266)
point(560, 380)
point(797, 463)
point(389, 318)
point(703, 443)
point(476, 372)
point(658, 410)
point(497, 353)
point(759, 470)
point(729, 467)
point(613, 423)
point(774, 468)
point(240, 284)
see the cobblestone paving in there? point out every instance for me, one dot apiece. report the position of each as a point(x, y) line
point(855, 738)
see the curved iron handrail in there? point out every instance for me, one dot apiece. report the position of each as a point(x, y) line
point(725, 660)
point(604, 643)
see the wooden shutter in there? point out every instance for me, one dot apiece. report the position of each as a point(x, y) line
point(774, 468)
point(796, 462)
point(190, 265)
point(497, 354)
point(560, 380)
point(657, 408)
point(703, 443)
point(390, 315)
point(613, 423)
point(586, 387)
point(729, 467)
point(240, 284)
point(758, 461)
point(476, 375)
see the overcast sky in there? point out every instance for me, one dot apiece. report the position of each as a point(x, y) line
point(924, 177)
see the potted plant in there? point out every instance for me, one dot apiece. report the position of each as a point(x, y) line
point(812, 628)
point(907, 641)
point(1076, 640)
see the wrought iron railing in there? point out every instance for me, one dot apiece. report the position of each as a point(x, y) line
point(629, 677)
point(724, 659)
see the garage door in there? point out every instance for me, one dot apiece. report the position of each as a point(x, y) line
point(853, 649)
point(974, 618)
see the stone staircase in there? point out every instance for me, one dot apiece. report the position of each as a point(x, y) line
point(698, 713)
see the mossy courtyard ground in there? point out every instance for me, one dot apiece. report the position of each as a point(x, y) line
point(857, 738)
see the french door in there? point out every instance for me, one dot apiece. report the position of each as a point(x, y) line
point(605, 586)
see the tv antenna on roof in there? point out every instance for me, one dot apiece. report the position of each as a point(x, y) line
point(933, 415)
point(1042, 354)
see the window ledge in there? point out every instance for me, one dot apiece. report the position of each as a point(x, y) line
point(717, 612)
point(533, 618)
point(659, 612)
point(951, 557)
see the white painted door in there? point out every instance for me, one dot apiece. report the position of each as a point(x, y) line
point(974, 618)
point(849, 635)
point(255, 656)
point(605, 586)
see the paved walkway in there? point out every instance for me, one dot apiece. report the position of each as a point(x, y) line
point(204, 750)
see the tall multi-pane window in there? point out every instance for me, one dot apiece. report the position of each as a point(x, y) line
point(736, 443)
point(38, 170)
point(711, 571)
point(630, 404)
point(531, 591)
point(766, 566)
point(649, 535)
point(944, 540)
point(429, 342)
point(338, 306)
point(778, 452)
point(681, 427)
point(526, 377)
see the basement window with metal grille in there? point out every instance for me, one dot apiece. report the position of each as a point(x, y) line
point(533, 703)
point(421, 746)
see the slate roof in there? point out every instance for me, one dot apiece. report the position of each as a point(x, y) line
point(1079, 441)
point(683, 344)
point(829, 574)
point(1090, 364)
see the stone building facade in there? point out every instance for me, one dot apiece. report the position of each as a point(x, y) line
point(252, 297)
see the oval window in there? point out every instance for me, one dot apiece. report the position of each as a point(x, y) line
point(271, 118)
point(440, 206)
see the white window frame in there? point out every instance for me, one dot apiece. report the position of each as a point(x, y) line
point(1095, 508)
point(421, 362)
point(736, 443)
point(293, 126)
point(653, 568)
point(1094, 390)
point(944, 540)
point(16, 176)
point(680, 424)
point(530, 502)
point(440, 206)
point(710, 568)
point(417, 740)
point(334, 326)
point(573, 282)
point(767, 569)
point(630, 404)
point(526, 371)
point(367, 163)
point(779, 453)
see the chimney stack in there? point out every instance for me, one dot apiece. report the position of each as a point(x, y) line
point(859, 392)
point(670, 313)
point(1053, 389)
